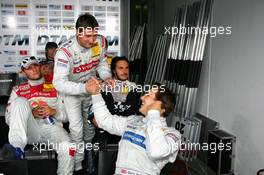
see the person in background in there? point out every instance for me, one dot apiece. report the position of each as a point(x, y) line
point(47, 63)
point(50, 50)
point(123, 99)
point(31, 114)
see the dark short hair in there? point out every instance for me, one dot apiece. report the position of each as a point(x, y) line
point(86, 20)
point(115, 60)
point(50, 45)
point(166, 97)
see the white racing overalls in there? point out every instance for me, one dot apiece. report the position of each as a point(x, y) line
point(25, 129)
point(73, 66)
point(147, 143)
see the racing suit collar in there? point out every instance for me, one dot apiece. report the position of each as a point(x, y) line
point(121, 81)
point(125, 82)
point(162, 119)
point(36, 82)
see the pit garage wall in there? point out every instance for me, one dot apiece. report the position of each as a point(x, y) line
point(235, 90)
point(231, 89)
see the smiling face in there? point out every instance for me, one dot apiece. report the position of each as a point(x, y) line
point(147, 100)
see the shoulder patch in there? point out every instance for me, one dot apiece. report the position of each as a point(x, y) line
point(48, 87)
point(66, 51)
point(173, 137)
point(23, 86)
point(96, 50)
point(62, 61)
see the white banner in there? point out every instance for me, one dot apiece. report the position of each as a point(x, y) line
point(26, 26)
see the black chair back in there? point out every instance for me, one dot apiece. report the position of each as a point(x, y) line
point(7, 81)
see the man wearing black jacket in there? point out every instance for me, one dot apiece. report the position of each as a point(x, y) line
point(122, 99)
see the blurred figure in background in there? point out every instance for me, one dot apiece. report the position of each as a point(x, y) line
point(122, 100)
point(47, 64)
point(50, 50)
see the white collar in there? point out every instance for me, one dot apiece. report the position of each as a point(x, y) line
point(36, 82)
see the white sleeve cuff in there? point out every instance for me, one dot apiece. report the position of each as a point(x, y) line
point(97, 99)
point(82, 88)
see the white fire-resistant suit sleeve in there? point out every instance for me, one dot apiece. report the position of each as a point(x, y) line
point(103, 68)
point(105, 120)
point(61, 72)
point(12, 97)
point(61, 114)
point(161, 142)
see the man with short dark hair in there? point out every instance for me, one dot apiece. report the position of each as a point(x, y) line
point(31, 115)
point(50, 50)
point(147, 143)
point(123, 99)
point(75, 62)
point(47, 63)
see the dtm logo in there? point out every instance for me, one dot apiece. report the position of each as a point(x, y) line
point(112, 40)
point(20, 40)
point(14, 40)
point(43, 39)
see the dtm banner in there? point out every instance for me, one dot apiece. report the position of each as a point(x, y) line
point(27, 25)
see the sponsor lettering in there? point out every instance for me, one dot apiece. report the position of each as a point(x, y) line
point(86, 67)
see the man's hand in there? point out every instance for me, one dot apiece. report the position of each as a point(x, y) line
point(43, 112)
point(36, 113)
point(110, 82)
point(94, 122)
point(92, 86)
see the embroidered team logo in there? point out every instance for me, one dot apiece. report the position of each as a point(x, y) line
point(95, 50)
point(124, 90)
point(76, 61)
point(48, 87)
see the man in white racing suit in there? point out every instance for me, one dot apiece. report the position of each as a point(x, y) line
point(75, 62)
point(28, 106)
point(147, 143)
